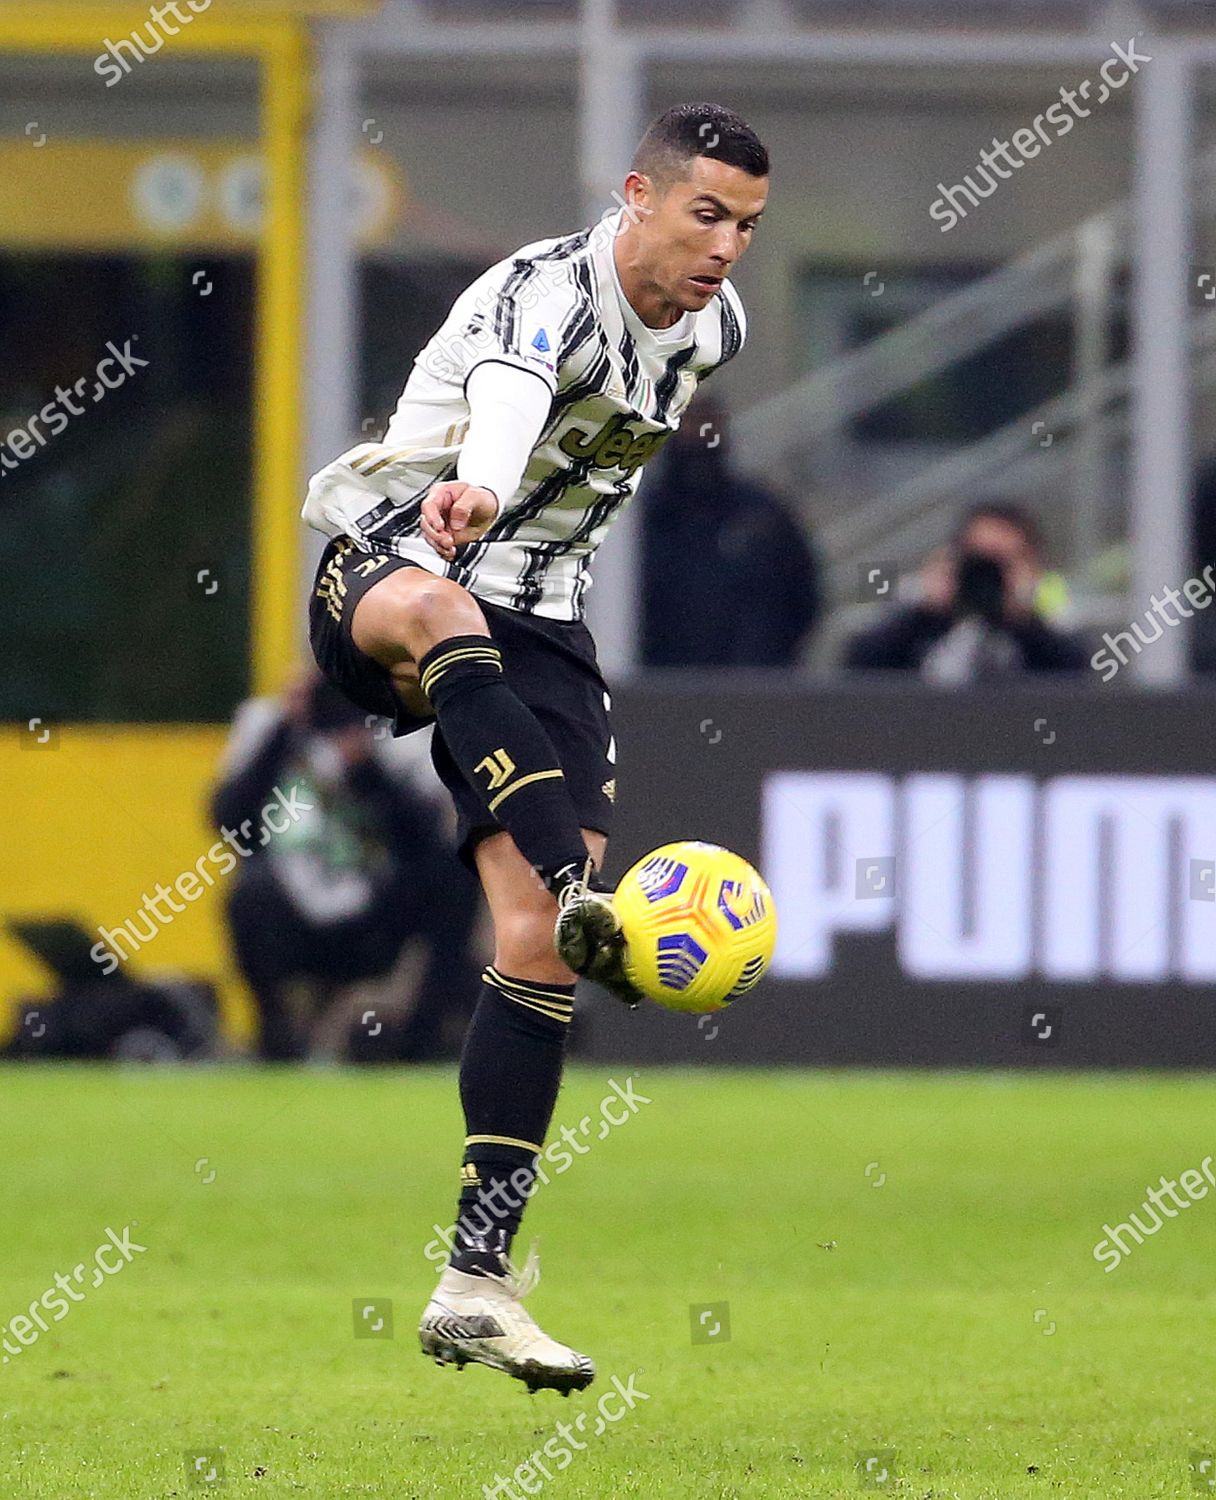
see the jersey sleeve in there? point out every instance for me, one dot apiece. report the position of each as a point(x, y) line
point(507, 412)
point(517, 314)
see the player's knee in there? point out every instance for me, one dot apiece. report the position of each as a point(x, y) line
point(438, 609)
point(411, 611)
point(523, 947)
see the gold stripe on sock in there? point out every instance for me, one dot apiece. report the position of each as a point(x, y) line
point(564, 1016)
point(534, 991)
point(500, 1140)
point(486, 646)
point(546, 1005)
point(522, 782)
point(450, 658)
point(437, 668)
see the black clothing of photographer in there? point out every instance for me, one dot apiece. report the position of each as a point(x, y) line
point(976, 617)
point(332, 899)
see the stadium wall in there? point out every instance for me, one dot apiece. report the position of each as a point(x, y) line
point(1014, 878)
point(854, 174)
point(856, 159)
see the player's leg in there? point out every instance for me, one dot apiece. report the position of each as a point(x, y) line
point(383, 631)
point(431, 635)
point(510, 1073)
point(511, 1065)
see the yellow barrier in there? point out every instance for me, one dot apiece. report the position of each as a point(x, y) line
point(99, 819)
point(94, 820)
point(101, 194)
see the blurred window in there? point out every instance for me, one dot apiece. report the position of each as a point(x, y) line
point(125, 500)
point(842, 308)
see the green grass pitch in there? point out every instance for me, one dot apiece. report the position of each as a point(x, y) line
point(906, 1262)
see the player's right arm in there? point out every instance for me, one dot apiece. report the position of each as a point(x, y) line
point(500, 348)
point(508, 409)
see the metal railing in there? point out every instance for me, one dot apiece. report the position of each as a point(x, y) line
point(1076, 269)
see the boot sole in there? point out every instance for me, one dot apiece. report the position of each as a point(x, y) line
point(535, 1376)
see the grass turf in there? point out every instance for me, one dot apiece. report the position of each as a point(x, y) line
point(906, 1259)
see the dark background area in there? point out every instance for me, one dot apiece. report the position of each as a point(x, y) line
point(678, 782)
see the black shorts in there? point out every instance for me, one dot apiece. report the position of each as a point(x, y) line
point(550, 664)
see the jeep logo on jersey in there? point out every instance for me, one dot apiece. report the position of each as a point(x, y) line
point(614, 446)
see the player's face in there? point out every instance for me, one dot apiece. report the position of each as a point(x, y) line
point(699, 229)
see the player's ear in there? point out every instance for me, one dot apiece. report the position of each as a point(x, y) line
point(641, 196)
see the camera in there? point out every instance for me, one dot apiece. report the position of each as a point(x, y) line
point(980, 588)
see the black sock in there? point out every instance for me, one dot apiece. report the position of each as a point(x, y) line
point(503, 752)
point(510, 1072)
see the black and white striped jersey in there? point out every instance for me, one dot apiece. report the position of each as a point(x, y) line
point(555, 308)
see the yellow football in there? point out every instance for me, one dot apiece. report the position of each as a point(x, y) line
point(699, 925)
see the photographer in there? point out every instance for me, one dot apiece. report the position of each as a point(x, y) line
point(976, 616)
point(333, 900)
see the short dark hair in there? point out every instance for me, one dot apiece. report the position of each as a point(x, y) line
point(690, 130)
point(1011, 514)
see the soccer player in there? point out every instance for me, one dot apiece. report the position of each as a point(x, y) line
point(452, 592)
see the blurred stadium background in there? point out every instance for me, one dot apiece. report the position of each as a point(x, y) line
point(278, 205)
point(217, 262)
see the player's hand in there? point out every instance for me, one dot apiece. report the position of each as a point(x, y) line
point(454, 513)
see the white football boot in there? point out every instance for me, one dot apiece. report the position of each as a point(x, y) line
point(480, 1319)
